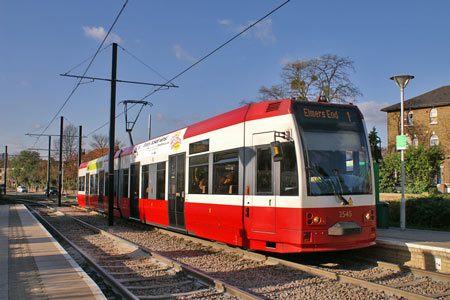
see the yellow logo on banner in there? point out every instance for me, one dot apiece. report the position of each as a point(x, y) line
point(175, 141)
point(95, 164)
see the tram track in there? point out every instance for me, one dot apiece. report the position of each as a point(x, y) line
point(353, 278)
point(135, 272)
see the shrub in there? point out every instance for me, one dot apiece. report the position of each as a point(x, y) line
point(389, 178)
point(423, 212)
point(422, 165)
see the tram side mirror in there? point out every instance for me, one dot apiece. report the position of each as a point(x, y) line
point(277, 153)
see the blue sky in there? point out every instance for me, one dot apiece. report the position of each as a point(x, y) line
point(42, 39)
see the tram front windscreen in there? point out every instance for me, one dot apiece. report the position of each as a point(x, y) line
point(335, 149)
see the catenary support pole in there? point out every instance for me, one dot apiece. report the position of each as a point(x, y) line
point(61, 133)
point(149, 126)
point(6, 166)
point(48, 165)
point(80, 141)
point(112, 124)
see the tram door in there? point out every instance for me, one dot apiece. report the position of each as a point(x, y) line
point(176, 190)
point(262, 202)
point(101, 190)
point(134, 190)
point(86, 193)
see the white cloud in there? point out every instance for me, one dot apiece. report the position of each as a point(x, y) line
point(182, 54)
point(372, 113)
point(285, 60)
point(99, 33)
point(25, 83)
point(224, 22)
point(261, 31)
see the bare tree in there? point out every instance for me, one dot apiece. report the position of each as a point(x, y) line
point(308, 79)
point(333, 81)
point(70, 143)
point(101, 142)
point(69, 154)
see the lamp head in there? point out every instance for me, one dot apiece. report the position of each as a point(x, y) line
point(402, 80)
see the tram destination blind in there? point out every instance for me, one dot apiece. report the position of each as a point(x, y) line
point(331, 114)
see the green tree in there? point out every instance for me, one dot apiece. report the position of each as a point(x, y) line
point(26, 168)
point(375, 145)
point(307, 79)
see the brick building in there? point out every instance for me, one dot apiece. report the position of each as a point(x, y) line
point(426, 121)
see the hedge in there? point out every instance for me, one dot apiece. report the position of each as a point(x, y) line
point(425, 212)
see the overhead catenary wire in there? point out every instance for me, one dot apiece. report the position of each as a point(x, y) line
point(85, 72)
point(218, 48)
point(200, 60)
point(142, 62)
point(90, 57)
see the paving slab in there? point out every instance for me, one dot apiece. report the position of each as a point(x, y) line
point(36, 266)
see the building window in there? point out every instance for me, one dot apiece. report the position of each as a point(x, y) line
point(434, 140)
point(226, 172)
point(198, 174)
point(415, 141)
point(410, 120)
point(408, 140)
point(433, 116)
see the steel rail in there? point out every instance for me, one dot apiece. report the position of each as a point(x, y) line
point(201, 276)
point(309, 269)
point(120, 288)
point(314, 270)
point(395, 267)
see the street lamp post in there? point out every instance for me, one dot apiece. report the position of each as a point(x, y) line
point(402, 81)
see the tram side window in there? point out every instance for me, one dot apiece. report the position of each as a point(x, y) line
point(198, 174)
point(288, 170)
point(161, 181)
point(226, 172)
point(124, 183)
point(263, 171)
point(106, 184)
point(101, 183)
point(86, 186)
point(96, 184)
point(116, 183)
point(81, 183)
point(92, 186)
point(144, 190)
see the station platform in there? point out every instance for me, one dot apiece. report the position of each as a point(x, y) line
point(423, 249)
point(33, 265)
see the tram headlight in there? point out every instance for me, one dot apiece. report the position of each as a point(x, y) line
point(369, 216)
point(312, 219)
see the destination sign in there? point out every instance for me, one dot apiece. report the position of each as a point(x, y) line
point(308, 113)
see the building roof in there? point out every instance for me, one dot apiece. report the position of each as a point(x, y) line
point(437, 97)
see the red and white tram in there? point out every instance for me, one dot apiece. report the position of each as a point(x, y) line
point(282, 176)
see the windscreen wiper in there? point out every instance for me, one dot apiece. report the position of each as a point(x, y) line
point(336, 194)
